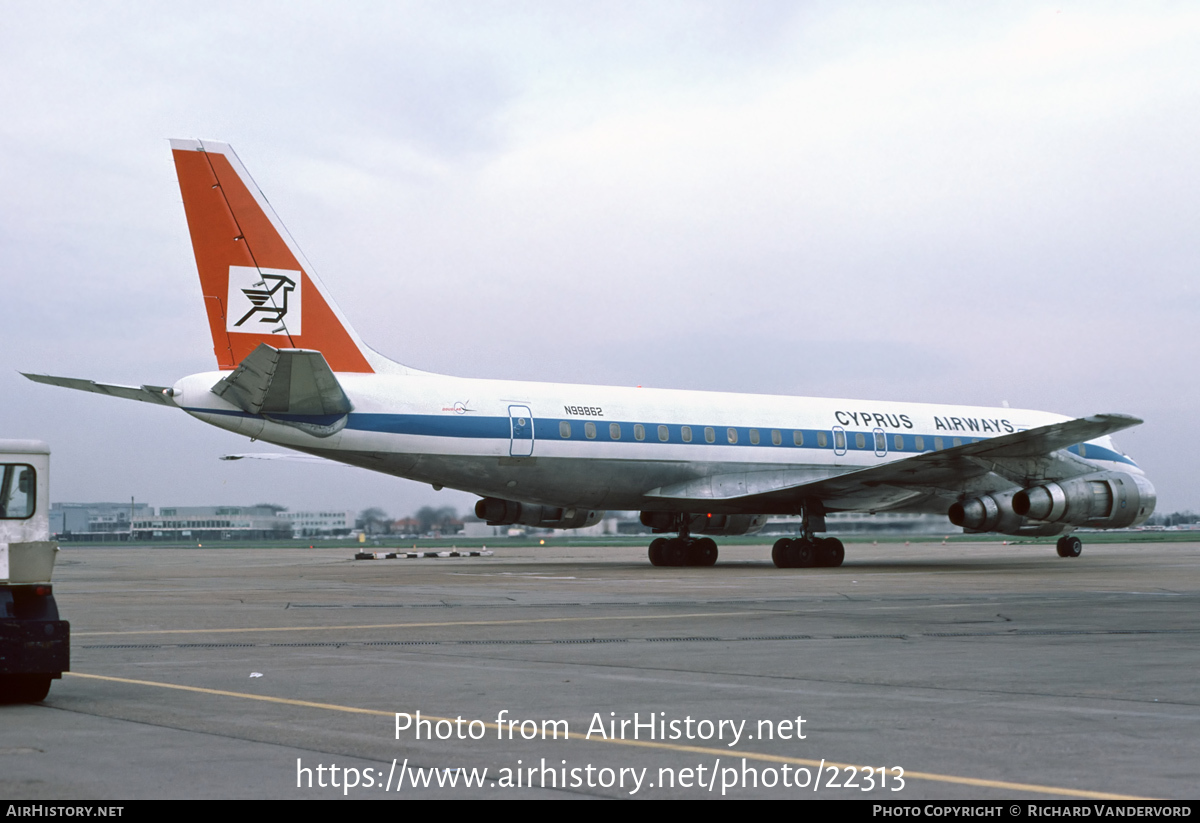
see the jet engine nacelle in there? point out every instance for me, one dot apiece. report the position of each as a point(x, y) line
point(994, 513)
point(661, 521)
point(704, 523)
point(1105, 500)
point(499, 512)
point(727, 523)
point(989, 513)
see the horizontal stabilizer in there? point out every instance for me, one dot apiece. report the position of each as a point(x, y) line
point(284, 381)
point(146, 394)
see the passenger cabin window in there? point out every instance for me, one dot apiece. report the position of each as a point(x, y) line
point(839, 440)
point(710, 435)
point(937, 444)
point(898, 442)
point(798, 438)
point(589, 430)
point(564, 430)
point(686, 433)
point(639, 432)
point(860, 442)
point(920, 443)
point(664, 434)
point(881, 441)
point(754, 437)
point(18, 491)
point(614, 431)
point(731, 435)
point(958, 441)
point(822, 439)
point(1082, 450)
point(777, 437)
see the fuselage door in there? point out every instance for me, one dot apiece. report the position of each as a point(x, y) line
point(839, 441)
point(520, 419)
point(880, 442)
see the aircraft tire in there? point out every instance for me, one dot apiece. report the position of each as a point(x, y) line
point(791, 554)
point(779, 553)
point(830, 552)
point(703, 552)
point(803, 554)
point(656, 551)
point(675, 553)
point(1070, 546)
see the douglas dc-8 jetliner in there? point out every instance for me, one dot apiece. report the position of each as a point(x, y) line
point(293, 372)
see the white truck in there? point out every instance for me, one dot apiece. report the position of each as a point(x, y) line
point(35, 645)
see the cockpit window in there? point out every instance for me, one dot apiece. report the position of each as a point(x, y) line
point(18, 491)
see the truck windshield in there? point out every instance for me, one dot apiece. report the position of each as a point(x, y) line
point(16, 491)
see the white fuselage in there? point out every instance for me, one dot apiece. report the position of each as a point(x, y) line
point(608, 447)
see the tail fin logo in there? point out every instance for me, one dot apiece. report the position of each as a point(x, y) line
point(263, 301)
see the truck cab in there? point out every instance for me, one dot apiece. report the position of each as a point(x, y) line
point(34, 643)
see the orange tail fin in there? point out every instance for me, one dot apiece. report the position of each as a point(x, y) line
point(257, 286)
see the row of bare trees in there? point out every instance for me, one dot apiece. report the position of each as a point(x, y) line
point(442, 519)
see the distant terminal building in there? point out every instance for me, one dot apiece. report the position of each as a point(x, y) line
point(212, 523)
point(95, 522)
point(328, 523)
point(122, 522)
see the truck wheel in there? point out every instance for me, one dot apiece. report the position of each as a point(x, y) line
point(24, 688)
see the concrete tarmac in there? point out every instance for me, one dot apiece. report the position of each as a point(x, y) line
point(961, 671)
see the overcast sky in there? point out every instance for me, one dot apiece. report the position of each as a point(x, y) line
point(924, 202)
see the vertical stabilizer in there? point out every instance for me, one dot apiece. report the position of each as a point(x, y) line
point(257, 286)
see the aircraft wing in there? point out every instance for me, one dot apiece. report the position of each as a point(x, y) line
point(1045, 440)
point(146, 394)
point(1020, 457)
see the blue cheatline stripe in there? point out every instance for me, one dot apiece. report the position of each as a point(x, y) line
point(498, 428)
point(1090, 451)
point(436, 425)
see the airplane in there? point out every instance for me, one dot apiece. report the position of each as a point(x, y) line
point(292, 371)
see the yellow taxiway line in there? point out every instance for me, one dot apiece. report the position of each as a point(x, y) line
point(524, 621)
point(645, 744)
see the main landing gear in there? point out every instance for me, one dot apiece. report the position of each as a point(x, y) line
point(683, 551)
point(806, 553)
point(807, 550)
point(1069, 546)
